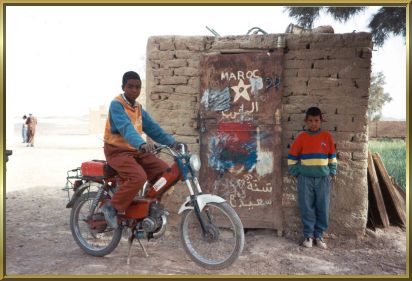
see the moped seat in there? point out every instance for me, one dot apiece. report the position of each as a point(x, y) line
point(109, 171)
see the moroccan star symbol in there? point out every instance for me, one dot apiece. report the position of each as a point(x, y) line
point(241, 91)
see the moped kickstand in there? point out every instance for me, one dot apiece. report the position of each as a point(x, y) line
point(130, 242)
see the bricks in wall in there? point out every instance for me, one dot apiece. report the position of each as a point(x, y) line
point(331, 71)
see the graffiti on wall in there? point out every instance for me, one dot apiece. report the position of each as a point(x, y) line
point(236, 189)
point(240, 134)
point(264, 164)
point(216, 100)
point(240, 147)
point(236, 146)
point(233, 148)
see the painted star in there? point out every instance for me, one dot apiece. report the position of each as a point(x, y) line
point(241, 91)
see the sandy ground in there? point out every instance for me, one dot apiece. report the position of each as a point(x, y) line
point(39, 241)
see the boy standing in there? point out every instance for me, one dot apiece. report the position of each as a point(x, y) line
point(312, 159)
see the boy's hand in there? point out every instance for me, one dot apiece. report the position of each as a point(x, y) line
point(333, 178)
point(147, 147)
point(176, 145)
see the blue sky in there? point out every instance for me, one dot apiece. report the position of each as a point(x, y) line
point(63, 61)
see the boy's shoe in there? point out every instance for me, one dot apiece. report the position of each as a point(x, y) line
point(110, 215)
point(320, 243)
point(308, 242)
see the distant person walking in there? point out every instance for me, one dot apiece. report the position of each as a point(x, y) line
point(31, 123)
point(24, 129)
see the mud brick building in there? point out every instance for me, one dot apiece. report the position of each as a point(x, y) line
point(187, 75)
point(387, 129)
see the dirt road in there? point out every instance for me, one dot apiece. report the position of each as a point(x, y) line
point(39, 241)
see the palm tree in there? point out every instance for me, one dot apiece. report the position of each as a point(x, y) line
point(388, 20)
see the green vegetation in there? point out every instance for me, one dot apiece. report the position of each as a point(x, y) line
point(393, 154)
point(387, 21)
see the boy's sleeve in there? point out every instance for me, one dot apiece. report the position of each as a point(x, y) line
point(154, 131)
point(121, 122)
point(294, 157)
point(332, 163)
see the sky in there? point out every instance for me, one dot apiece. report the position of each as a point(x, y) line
point(66, 60)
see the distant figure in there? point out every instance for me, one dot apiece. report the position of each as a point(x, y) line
point(31, 122)
point(24, 130)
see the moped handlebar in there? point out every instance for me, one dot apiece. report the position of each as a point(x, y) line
point(158, 148)
point(182, 149)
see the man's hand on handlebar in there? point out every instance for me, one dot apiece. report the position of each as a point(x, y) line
point(150, 147)
point(176, 145)
point(147, 147)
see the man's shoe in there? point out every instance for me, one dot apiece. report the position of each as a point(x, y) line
point(320, 243)
point(308, 242)
point(110, 215)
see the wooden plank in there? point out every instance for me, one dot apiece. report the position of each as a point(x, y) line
point(395, 209)
point(402, 199)
point(401, 191)
point(376, 192)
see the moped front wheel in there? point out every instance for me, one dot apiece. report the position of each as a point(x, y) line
point(222, 241)
point(89, 227)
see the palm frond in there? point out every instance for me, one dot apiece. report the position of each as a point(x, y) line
point(305, 16)
point(388, 20)
point(342, 14)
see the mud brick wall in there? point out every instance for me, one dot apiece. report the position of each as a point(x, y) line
point(331, 71)
point(387, 129)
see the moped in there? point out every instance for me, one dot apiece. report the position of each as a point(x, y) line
point(210, 230)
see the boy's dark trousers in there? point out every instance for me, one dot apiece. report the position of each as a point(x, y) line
point(314, 198)
point(134, 168)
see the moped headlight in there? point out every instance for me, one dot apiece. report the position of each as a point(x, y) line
point(195, 162)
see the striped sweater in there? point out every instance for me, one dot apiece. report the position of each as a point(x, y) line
point(312, 154)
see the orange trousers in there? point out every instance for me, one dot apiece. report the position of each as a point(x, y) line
point(134, 169)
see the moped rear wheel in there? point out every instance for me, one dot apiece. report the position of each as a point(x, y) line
point(89, 227)
point(223, 241)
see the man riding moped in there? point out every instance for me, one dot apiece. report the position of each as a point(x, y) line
point(104, 202)
point(125, 149)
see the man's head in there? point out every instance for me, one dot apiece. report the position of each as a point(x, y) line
point(313, 118)
point(131, 85)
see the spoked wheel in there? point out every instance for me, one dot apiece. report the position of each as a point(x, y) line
point(221, 244)
point(89, 227)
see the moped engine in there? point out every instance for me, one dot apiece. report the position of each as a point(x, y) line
point(149, 224)
point(155, 223)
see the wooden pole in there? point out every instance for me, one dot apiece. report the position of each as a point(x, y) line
point(376, 191)
point(393, 200)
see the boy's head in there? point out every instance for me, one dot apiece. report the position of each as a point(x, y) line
point(131, 85)
point(313, 118)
